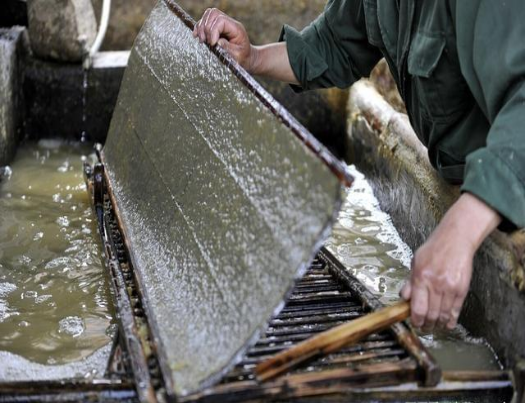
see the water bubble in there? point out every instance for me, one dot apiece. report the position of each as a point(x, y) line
point(30, 294)
point(64, 167)
point(42, 298)
point(5, 173)
point(57, 262)
point(24, 260)
point(63, 221)
point(71, 325)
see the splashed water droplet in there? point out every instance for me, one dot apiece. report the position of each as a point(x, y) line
point(72, 325)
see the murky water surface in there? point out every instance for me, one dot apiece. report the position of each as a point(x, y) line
point(54, 302)
point(366, 242)
point(55, 306)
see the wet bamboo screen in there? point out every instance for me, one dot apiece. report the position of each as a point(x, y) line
point(222, 203)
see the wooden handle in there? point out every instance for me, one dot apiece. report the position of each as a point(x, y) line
point(334, 339)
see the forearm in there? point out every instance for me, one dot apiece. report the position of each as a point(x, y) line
point(272, 61)
point(470, 220)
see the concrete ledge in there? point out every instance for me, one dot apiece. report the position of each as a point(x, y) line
point(384, 146)
point(12, 47)
point(63, 100)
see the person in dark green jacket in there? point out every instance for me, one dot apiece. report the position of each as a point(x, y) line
point(459, 67)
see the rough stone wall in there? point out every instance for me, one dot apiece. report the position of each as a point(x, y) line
point(11, 99)
point(263, 19)
point(62, 100)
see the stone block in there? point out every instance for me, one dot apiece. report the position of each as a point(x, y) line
point(61, 29)
point(12, 47)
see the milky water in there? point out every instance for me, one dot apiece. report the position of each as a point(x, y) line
point(55, 304)
point(367, 243)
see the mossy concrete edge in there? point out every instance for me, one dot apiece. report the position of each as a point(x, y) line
point(13, 44)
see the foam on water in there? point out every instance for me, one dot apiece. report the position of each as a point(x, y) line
point(365, 240)
point(72, 325)
point(17, 368)
point(55, 306)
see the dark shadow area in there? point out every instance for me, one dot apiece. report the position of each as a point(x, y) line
point(14, 12)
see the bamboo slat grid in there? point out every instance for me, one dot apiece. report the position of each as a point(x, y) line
point(319, 302)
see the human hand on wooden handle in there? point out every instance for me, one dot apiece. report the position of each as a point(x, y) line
point(441, 269)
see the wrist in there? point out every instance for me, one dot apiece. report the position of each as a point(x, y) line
point(254, 63)
point(472, 221)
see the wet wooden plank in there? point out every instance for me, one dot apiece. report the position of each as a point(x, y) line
point(367, 383)
point(430, 371)
point(333, 340)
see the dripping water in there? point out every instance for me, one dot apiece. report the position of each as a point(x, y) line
point(84, 135)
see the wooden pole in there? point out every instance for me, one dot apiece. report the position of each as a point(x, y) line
point(334, 339)
point(430, 372)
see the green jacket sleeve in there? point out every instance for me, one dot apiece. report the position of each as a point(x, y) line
point(490, 37)
point(333, 51)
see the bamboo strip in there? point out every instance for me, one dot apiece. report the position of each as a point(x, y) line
point(333, 339)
